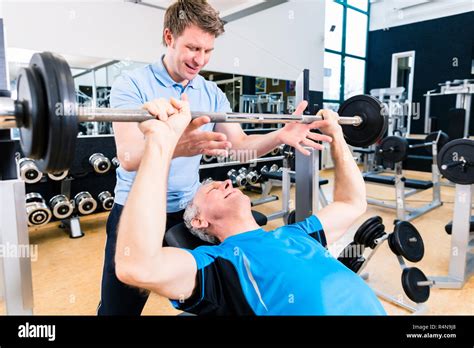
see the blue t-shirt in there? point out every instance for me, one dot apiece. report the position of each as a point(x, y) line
point(287, 271)
point(134, 88)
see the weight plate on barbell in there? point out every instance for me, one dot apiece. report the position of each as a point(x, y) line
point(61, 130)
point(393, 149)
point(407, 241)
point(33, 130)
point(374, 120)
point(359, 237)
point(410, 278)
point(443, 140)
point(456, 150)
point(69, 121)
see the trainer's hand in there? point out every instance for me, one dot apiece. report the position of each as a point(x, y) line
point(299, 135)
point(194, 141)
point(170, 130)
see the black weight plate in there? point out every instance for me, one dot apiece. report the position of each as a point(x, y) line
point(443, 140)
point(358, 236)
point(410, 278)
point(454, 151)
point(61, 120)
point(407, 240)
point(33, 133)
point(69, 123)
point(357, 264)
point(393, 149)
point(43, 63)
point(392, 244)
point(291, 217)
point(374, 120)
point(376, 231)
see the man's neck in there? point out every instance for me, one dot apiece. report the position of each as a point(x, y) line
point(238, 225)
point(174, 76)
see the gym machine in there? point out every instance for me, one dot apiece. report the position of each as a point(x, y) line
point(463, 89)
point(393, 150)
point(456, 163)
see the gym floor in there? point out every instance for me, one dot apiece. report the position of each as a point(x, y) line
point(67, 272)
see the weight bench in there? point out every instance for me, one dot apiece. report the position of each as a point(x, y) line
point(365, 159)
point(405, 213)
point(179, 236)
point(390, 180)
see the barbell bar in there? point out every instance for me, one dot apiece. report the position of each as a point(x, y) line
point(47, 114)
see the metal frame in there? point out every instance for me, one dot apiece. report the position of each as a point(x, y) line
point(415, 308)
point(461, 263)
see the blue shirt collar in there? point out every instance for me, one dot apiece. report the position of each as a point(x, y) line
point(162, 75)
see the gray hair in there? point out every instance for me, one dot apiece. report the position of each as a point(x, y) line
point(191, 212)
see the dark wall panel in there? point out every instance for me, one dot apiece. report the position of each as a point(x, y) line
point(444, 51)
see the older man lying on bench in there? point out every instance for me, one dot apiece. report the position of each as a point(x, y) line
point(249, 271)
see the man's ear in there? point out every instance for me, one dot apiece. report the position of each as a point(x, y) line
point(169, 39)
point(199, 223)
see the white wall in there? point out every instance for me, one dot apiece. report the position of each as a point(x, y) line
point(278, 42)
point(391, 13)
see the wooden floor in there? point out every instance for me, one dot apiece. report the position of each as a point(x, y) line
point(67, 272)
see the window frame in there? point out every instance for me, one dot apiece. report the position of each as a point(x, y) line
point(343, 53)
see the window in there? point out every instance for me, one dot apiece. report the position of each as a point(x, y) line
point(332, 76)
point(333, 26)
point(346, 29)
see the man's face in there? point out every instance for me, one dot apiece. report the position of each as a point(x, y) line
point(218, 200)
point(189, 52)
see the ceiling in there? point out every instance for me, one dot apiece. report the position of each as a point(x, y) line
point(229, 10)
point(223, 6)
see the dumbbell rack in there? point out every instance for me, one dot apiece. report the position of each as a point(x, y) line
point(373, 228)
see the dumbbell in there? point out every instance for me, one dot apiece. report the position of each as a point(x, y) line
point(273, 168)
point(36, 209)
point(100, 163)
point(252, 177)
point(85, 203)
point(58, 176)
point(29, 173)
point(106, 199)
point(61, 206)
point(116, 162)
point(236, 178)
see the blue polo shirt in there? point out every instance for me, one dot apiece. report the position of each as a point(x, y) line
point(287, 271)
point(134, 88)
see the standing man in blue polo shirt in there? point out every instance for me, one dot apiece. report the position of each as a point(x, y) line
point(190, 29)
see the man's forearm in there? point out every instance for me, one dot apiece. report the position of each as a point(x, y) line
point(143, 220)
point(258, 145)
point(349, 185)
